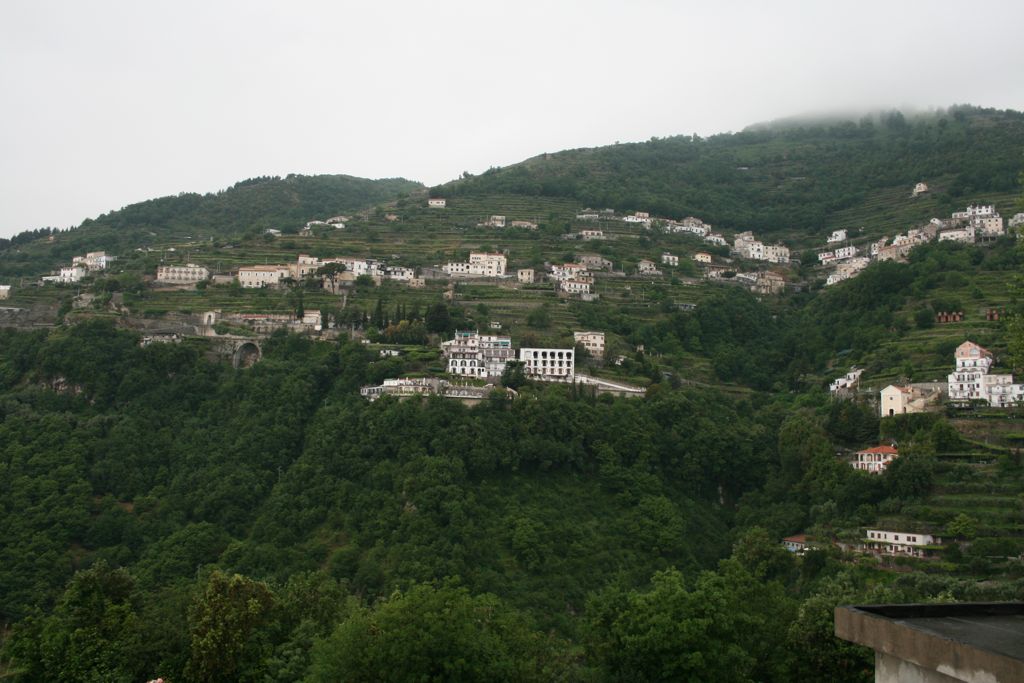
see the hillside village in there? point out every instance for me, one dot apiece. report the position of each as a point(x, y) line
point(606, 256)
point(509, 388)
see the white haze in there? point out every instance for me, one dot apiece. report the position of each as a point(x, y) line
point(108, 103)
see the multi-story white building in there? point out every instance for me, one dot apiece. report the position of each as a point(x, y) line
point(496, 222)
point(5, 291)
point(702, 257)
point(262, 276)
point(980, 211)
point(591, 234)
point(875, 460)
point(899, 542)
point(845, 252)
point(837, 236)
point(669, 260)
point(525, 275)
point(189, 273)
point(548, 365)
point(472, 354)
point(94, 260)
point(436, 203)
point(593, 342)
point(971, 381)
point(716, 239)
point(71, 274)
point(920, 189)
point(569, 271)
point(480, 264)
point(576, 287)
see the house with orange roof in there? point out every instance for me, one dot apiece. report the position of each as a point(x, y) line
point(875, 460)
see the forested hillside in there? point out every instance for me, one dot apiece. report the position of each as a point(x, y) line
point(791, 178)
point(166, 515)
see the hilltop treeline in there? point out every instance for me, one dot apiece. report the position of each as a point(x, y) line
point(247, 208)
point(779, 178)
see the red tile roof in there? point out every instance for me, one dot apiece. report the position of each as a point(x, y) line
point(889, 450)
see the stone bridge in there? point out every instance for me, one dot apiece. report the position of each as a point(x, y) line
point(244, 352)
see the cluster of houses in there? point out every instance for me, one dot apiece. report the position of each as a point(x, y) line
point(473, 356)
point(876, 542)
point(480, 356)
point(694, 226)
point(745, 245)
point(80, 267)
point(971, 380)
point(306, 266)
point(975, 223)
point(426, 386)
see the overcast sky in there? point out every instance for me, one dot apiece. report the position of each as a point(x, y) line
point(109, 103)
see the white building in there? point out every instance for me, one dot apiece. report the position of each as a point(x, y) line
point(875, 460)
point(525, 275)
point(593, 342)
point(971, 381)
point(1017, 220)
point(481, 264)
point(747, 247)
point(576, 287)
point(262, 276)
point(528, 225)
point(899, 542)
point(920, 189)
point(94, 260)
point(70, 274)
point(715, 239)
point(474, 355)
point(569, 271)
point(591, 234)
point(646, 267)
point(980, 211)
point(5, 291)
point(847, 382)
point(189, 273)
point(837, 236)
point(702, 257)
point(496, 222)
point(669, 260)
point(436, 203)
point(843, 253)
point(548, 365)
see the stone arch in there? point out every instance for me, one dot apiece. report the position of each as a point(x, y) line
point(246, 355)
